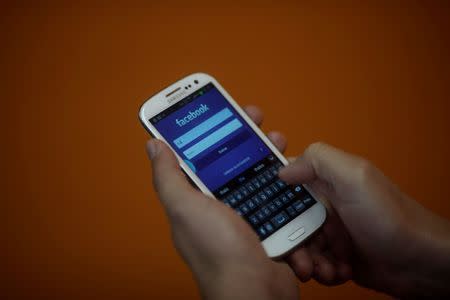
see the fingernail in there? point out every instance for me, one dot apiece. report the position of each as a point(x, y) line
point(152, 148)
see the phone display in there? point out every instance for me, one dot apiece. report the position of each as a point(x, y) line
point(229, 157)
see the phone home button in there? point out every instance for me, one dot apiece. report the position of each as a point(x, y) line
point(296, 234)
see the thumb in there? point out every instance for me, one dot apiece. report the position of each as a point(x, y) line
point(168, 179)
point(323, 163)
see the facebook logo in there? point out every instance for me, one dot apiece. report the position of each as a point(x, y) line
point(192, 115)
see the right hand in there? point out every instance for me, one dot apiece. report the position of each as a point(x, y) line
point(374, 234)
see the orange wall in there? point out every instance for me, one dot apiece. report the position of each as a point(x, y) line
point(81, 218)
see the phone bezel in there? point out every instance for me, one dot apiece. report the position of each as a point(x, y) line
point(278, 243)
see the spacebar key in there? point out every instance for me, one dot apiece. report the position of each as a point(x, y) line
point(280, 219)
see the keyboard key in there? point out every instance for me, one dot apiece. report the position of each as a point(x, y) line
point(290, 194)
point(275, 188)
point(262, 232)
point(272, 207)
point(268, 192)
point(260, 215)
point(241, 179)
point(262, 197)
point(269, 227)
point(243, 190)
point(280, 219)
point(309, 201)
point(278, 202)
point(299, 206)
point(297, 189)
point(244, 208)
point(250, 187)
point(291, 211)
point(262, 180)
point(284, 198)
point(238, 196)
point(253, 220)
point(256, 200)
point(250, 204)
point(266, 211)
point(230, 199)
point(268, 175)
point(256, 183)
point(274, 170)
point(281, 184)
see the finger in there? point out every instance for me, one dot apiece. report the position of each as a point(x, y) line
point(338, 238)
point(301, 262)
point(291, 159)
point(322, 161)
point(343, 272)
point(254, 113)
point(298, 171)
point(278, 139)
point(324, 270)
point(167, 175)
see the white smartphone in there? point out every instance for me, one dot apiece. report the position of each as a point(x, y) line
point(229, 158)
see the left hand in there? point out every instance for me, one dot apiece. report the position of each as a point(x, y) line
point(223, 252)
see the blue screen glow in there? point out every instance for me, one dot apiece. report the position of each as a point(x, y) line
point(212, 138)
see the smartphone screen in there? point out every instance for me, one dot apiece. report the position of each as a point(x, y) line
point(231, 160)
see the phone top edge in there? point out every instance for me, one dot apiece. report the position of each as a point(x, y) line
point(141, 113)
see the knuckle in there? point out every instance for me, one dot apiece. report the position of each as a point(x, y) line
point(364, 170)
point(316, 148)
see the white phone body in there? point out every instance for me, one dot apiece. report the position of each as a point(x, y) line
point(286, 238)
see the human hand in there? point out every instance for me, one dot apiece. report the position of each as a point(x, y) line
point(374, 234)
point(221, 249)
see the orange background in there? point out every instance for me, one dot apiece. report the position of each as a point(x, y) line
point(81, 218)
